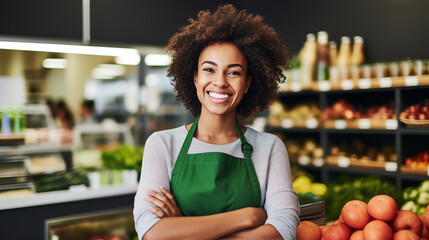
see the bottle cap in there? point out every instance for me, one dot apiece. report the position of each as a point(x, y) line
point(322, 37)
point(358, 39)
point(332, 44)
point(345, 39)
point(311, 37)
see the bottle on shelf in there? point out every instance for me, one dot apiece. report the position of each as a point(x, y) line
point(19, 123)
point(357, 56)
point(333, 69)
point(322, 56)
point(333, 53)
point(6, 122)
point(308, 59)
point(343, 58)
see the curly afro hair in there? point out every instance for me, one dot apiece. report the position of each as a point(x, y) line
point(265, 53)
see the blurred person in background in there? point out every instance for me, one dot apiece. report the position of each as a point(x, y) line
point(86, 114)
point(216, 178)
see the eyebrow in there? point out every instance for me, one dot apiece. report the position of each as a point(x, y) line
point(228, 66)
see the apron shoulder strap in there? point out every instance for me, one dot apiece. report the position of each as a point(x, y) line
point(246, 148)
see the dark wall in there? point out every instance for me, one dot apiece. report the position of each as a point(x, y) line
point(392, 29)
point(41, 19)
point(150, 22)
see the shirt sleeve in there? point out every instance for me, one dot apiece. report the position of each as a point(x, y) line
point(281, 202)
point(153, 175)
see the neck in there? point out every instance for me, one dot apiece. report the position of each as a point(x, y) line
point(217, 129)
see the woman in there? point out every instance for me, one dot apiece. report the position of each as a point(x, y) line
point(215, 178)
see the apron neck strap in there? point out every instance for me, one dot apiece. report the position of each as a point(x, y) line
point(246, 148)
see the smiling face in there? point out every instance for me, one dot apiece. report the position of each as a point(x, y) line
point(221, 79)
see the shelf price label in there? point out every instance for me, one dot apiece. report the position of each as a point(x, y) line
point(311, 123)
point(287, 123)
point(347, 84)
point(295, 87)
point(364, 83)
point(343, 162)
point(391, 124)
point(324, 86)
point(391, 166)
point(340, 124)
point(411, 81)
point(364, 124)
point(304, 160)
point(385, 82)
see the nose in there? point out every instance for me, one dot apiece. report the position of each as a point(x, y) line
point(220, 81)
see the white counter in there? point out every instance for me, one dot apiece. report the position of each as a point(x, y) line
point(65, 196)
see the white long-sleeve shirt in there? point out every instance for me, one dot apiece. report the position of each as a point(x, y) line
point(269, 158)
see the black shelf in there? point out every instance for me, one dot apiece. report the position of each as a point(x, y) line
point(414, 177)
point(361, 131)
point(361, 171)
point(303, 130)
point(414, 131)
point(406, 140)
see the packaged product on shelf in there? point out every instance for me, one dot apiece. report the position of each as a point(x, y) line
point(416, 114)
point(322, 56)
point(308, 56)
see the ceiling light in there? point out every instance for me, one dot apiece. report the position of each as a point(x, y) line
point(157, 60)
point(108, 71)
point(66, 48)
point(54, 63)
point(128, 59)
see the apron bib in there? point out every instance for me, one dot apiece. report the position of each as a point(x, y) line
point(214, 182)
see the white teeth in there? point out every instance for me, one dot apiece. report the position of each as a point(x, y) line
point(218, 95)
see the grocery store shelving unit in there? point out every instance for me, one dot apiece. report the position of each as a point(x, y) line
point(408, 141)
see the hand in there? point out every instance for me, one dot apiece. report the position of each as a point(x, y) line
point(167, 206)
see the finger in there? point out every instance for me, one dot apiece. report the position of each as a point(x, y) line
point(168, 195)
point(160, 204)
point(157, 212)
point(161, 197)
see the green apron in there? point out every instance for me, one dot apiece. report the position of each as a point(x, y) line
point(214, 182)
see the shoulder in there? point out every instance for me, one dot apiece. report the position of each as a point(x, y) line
point(254, 135)
point(167, 136)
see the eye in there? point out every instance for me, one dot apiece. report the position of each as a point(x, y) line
point(234, 73)
point(210, 70)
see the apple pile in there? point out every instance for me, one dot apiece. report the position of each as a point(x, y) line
point(421, 160)
point(419, 111)
point(380, 219)
point(341, 109)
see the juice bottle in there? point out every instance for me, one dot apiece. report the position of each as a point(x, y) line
point(308, 59)
point(322, 56)
point(343, 59)
point(333, 53)
point(357, 56)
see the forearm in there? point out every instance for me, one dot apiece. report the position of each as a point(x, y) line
point(202, 227)
point(266, 231)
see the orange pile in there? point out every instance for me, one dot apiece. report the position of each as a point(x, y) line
point(377, 220)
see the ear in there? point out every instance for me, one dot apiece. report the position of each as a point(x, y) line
point(195, 77)
point(247, 84)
